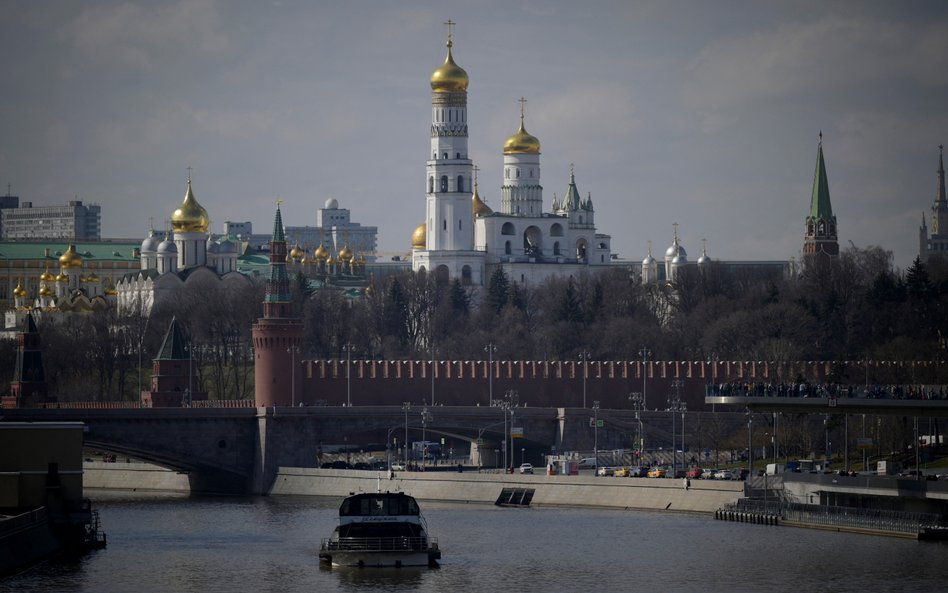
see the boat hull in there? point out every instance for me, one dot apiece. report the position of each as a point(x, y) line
point(390, 559)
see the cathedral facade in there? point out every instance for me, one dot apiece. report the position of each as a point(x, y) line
point(462, 237)
point(188, 255)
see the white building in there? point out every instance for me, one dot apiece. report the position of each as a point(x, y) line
point(935, 243)
point(464, 238)
point(188, 255)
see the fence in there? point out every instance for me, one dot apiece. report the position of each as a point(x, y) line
point(844, 517)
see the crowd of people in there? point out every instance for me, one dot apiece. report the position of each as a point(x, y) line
point(826, 390)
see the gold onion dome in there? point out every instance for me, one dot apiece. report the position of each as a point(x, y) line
point(47, 276)
point(321, 252)
point(70, 259)
point(449, 77)
point(19, 291)
point(190, 217)
point(345, 254)
point(478, 206)
point(45, 291)
point(110, 290)
point(297, 253)
point(522, 142)
point(420, 237)
point(62, 278)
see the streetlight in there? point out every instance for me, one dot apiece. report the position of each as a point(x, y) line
point(596, 435)
point(683, 407)
point(432, 372)
point(141, 340)
point(674, 404)
point(637, 400)
point(584, 356)
point(490, 349)
point(405, 407)
point(645, 353)
point(425, 418)
point(348, 348)
point(293, 351)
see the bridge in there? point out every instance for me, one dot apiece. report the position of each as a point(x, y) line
point(923, 408)
point(239, 450)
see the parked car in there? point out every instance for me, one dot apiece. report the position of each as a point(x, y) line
point(621, 472)
point(639, 472)
point(398, 466)
point(708, 474)
point(656, 472)
point(526, 468)
point(694, 473)
point(724, 474)
point(361, 465)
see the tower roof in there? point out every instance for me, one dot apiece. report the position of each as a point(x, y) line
point(175, 346)
point(940, 199)
point(820, 206)
point(278, 234)
point(571, 201)
point(449, 77)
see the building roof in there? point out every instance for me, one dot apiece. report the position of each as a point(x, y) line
point(820, 201)
point(90, 252)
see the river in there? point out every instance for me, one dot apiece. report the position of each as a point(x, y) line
point(165, 543)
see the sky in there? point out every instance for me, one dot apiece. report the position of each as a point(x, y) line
point(696, 112)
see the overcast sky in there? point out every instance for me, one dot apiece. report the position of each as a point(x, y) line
point(705, 113)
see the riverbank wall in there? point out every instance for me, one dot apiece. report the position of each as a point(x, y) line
point(704, 496)
point(473, 487)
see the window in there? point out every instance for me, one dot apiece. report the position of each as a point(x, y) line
point(444, 183)
point(445, 156)
point(431, 184)
point(444, 224)
point(556, 248)
point(460, 183)
point(518, 172)
point(507, 248)
point(457, 155)
point(507, 173)
point(459, 224)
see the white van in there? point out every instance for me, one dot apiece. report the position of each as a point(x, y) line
point(587, 463)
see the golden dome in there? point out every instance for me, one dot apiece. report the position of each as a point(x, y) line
point(45, 291)
point(110, 290)
point(190, 217)
point(70, 259)
point(522, 142)
point(62, 278)
point(345, 254)
point(93, 277)
point(321, 252)
point(296, 253)
point(19, 291)
point(419, 239)
point(449, 77)
point(47, 276)
point(478, 205)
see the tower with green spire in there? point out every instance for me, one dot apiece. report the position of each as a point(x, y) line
point(935, 244)
point(821, 238)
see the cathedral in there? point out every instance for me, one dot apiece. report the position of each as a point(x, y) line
point(188, 255)
point(462, 237)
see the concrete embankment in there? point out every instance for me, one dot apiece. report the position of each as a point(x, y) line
point(471, 487)
point(132, 476)
point(704, 496)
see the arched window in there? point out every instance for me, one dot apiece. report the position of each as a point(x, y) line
point(457, 155)
point(556, 248)
point(445, 156)
point(507, 248)
point(460, 183)
point(444, 224)
point(518, 172)
point(444, 183)
point(459, 224)
point(466, 275)
point(508, 229)
point(507, 173)
point(431, 184)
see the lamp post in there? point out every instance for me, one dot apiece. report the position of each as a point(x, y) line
point(141, 341)
point(636, 398)
point(683, 407)
point(750, 445)
point(432, 373)
point(348, 348)
point(584, 356)
point(490, 349)
point(293, 351)
point(425, 418)
point(645, 353)
point(405, 407)
point(674, 404)
point(190, 349)
point(596, 435)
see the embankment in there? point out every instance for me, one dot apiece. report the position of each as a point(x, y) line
point(704, 496)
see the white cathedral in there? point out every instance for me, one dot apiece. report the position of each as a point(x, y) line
point(187, 256)
point(464, 238)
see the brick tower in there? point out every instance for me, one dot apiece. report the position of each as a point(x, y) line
point(821, 238)
point(174, 382)
point(278, 334)
point(28, 388)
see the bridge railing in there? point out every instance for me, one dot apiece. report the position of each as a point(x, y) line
point(827, 390)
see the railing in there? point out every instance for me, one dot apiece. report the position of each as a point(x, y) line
point(35, 517)
point(848, 517)
point(380, 544)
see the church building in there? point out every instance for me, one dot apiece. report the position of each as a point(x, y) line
point(935, 243)
point(462, 237)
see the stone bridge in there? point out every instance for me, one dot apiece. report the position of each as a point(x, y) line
point(239, 450)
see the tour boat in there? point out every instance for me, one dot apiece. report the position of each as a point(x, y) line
point(380, 529)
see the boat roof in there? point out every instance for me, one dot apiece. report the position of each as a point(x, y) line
point(380, 504)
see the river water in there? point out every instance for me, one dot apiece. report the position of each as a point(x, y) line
point(164, 543)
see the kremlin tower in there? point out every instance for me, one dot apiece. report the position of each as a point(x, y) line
point(278, 334)
point(821, 238)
